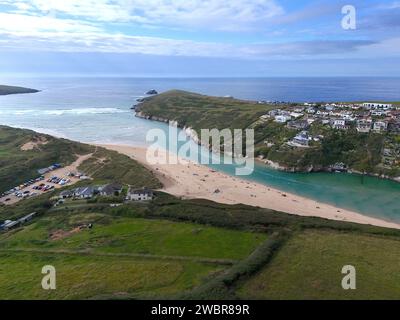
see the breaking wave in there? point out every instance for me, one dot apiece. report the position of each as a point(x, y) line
point(60, 112)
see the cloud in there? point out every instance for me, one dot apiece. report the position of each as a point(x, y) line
point(209, 14)
point(18, 24)
point(93, 26)
point(67, 41)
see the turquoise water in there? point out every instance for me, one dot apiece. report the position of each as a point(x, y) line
point(98, 110)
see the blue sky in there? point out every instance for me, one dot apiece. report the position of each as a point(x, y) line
point(199, 37)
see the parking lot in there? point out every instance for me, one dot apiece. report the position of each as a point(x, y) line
point(55, 179)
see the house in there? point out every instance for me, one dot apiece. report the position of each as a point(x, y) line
point(282, 118)
point(311, 110)
point(364, 125)
point(299, 124)
point(296, 115)
point(66, 194)
point(394, 127)
point(301, 139)
point(111, 189)
point(378, 113)
point(339, 124)
point(384, 106)
point(84, 192)
point(140, 195)
point(298, 109)
point(380, 126)
point(330, 107)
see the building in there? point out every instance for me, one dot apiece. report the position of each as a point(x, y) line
point(311, 110)
point(282, 118)
point(84, 192)
point(364, 125)
point(339, 124)
point(66, 194)
point(380, 126)
point(140, 195)
point(111, 189)
point(394, 127)
point(301, 139)
point(296, 115)
point(370, 105)
point(298, 125)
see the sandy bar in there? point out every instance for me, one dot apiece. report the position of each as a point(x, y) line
point(191, 180)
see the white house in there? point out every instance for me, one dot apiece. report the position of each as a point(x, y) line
point(282, 118)
point(339, 124)
point(369, 105)
point(380, 126)
point(364, 125)
point(140, 195)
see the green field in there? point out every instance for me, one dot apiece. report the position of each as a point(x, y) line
point(134, 235)
point(88, 276)
point(309, 267)
point(203, 112)
point(120, 256)
point(4, 90)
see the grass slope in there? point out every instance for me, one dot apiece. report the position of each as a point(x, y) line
point(119, 256)
point(17, 165)
point(134, 235)
point(202, 112)
point(309, 267)
point(84, 277)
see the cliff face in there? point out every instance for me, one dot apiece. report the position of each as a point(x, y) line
point(190, 132)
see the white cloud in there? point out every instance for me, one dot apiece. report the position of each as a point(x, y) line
point(18, 24)
point(209, 14)
point(84, 26)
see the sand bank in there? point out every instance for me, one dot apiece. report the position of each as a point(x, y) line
point(191, 180)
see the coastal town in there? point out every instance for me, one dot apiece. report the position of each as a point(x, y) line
point(308, 124)
point(365, 117)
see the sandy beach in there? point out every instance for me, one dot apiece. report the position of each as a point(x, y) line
point(191, 180)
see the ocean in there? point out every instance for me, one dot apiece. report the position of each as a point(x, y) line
point(91, 109)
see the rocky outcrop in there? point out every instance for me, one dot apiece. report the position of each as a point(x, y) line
point(152, 92)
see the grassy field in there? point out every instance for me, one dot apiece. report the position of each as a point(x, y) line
point(4, 90)
point(309, 267)
point(131, 257)
point(134, 235)
point(85, 276)
point(203, 112)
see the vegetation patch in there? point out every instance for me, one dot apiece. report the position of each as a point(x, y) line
point(309, 267)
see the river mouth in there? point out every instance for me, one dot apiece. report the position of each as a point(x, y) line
point(98, 111)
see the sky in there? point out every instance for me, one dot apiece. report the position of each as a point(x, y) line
point(255, 38)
